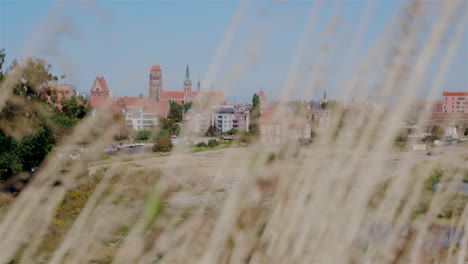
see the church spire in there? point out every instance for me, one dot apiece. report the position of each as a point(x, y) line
point(187, 74)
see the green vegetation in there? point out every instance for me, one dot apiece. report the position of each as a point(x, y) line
point(213, 143)
point(169, 125)
point(255, 115)
point(175, 112)
point(232, 131)
point(435, 178)
point(34, 118)
point(212, 131)
point(437, 132)
point(187, 106)
point(143, 135)
point(162, 144)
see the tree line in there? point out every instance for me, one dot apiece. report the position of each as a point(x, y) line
point(34, 118)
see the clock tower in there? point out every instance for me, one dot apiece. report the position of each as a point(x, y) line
point(187, 86)
point(155, 83)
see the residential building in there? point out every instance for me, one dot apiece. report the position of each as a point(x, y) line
point(139, 120)
point(455, 102)
point(227, 118)
point(435, 107)
point(281, 128)
point(197, 121)
point(322, 117)
point(242, 119)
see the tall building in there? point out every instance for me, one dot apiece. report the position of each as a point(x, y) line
point(99, 88)
point(182, 96)
point(455, 102)
point(187, 85)
point(155, 83)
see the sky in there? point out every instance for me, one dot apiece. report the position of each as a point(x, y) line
point(238, 47)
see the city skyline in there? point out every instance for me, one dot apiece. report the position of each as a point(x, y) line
point(117, 40)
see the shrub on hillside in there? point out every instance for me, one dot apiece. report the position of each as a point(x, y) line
point(143, 135)
point(200, 145)
point(213, 143)
point(162, 144)
point(232, 131)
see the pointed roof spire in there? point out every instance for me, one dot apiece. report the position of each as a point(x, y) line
point(325, 95)
point(187, 74)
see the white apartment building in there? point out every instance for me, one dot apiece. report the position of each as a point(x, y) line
point(224, 119)
point(139, 120)
point(198, 121)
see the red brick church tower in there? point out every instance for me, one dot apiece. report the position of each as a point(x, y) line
point(155, 83)
point(100, 88)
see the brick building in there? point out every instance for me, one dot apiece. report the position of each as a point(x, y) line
point(455, 102)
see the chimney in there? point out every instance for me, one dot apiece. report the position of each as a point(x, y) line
point(140, 95)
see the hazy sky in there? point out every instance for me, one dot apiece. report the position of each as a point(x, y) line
point(120, 40)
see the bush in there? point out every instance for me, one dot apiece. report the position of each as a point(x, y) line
point(212, 131)
point(245, 138)
point(162, 144)
point(143, 135)
point(201, 145)
point(435, 178)
point(232, 131)
point(437, 132)
point(213, 143)
point(163, 133)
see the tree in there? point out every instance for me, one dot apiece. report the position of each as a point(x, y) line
point(254, 129)
point(255, 113)
point(232, 131)
point(35, 76)
point(162, 144)
point(2, 59)
point(187, 106)
point(169, 125)
point(24, 147)
point(324, 105)
point(212, 131)
point(175, 112)
point(437, 132)
point(143, 135)
point(163, 133)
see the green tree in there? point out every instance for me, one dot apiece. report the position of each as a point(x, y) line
point(143, 135)
point(43, 124)
point(212, 131)
point(169, 125)
point(162, 144)
point(2, 59)
point(187, 106)
point(255, 113)
point(232, 131)
point(163, 133)
point(175, 112)
point(437, 132)
point(35, 76)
